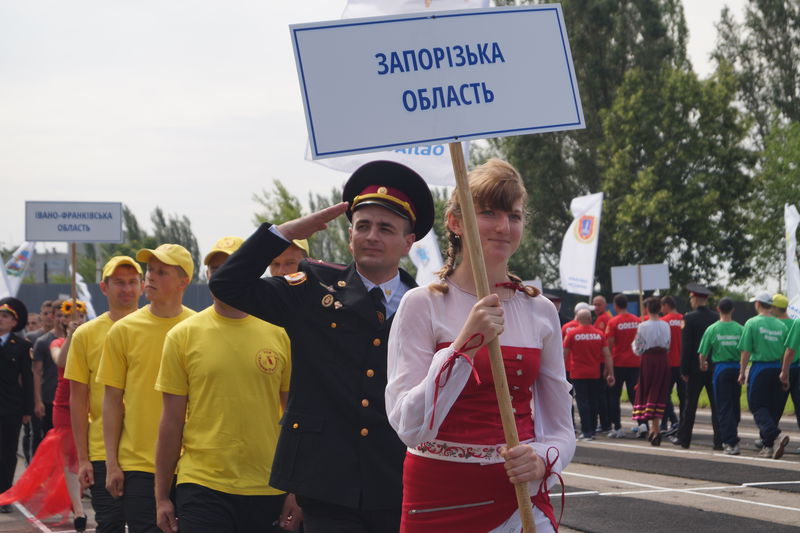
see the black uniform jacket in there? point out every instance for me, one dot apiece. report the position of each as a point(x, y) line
point(695, 323)
point(336, 444)
point(16, 378)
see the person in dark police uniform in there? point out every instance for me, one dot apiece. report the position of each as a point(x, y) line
point(695, 324)
point(16, 387)
point(337, 452)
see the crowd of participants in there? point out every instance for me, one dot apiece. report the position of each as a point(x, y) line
point(295, 400)
point(331, 397)
point(662, 351)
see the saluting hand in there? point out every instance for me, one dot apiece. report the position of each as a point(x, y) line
point(305, 227)
point(486, 317)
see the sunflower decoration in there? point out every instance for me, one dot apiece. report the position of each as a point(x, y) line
point(67, 307)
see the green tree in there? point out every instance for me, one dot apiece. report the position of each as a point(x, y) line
point(765, 52)
point(608, 38)
point(674, 175)
point(777, 183)
point(278, 206)
point(176, 230)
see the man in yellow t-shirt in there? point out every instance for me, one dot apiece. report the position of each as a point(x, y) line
point(221, 366)
point(128, 369)
point(122, 284)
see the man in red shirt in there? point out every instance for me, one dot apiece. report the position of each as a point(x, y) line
point(586, 348)
point(602, 313)
point(675, 320)
point(620, 332)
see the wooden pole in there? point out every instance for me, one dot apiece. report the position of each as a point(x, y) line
point(641, 294)
point(473, 241)
point(74, 259)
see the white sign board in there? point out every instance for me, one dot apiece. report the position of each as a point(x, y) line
point(384, 83)
point(626, 278)
point(73, 221)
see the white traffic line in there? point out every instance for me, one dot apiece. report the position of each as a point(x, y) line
point(678, 450)
point(35, 521)
point(699, 491)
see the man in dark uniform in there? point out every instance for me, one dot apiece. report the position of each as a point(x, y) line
point(695, 324)
point(337, 452)
point(16, 387)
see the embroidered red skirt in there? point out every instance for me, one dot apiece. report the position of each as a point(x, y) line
point(653, 386)
point(449, 496)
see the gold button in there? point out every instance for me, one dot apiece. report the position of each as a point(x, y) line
point(295, 425)
point(333, 324)
point(364, 403)
point(370, 373)
point(376, 342)
point(364, 432)
point(341, 283)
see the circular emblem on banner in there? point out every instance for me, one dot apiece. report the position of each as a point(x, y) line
point(267, 361)
point(327, 300)
point(586, 228)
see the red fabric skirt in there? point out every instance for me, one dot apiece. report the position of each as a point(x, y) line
point(42, 488)
point(653, 386)
point(432, 484)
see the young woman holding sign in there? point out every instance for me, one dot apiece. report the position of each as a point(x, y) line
point(440, 398)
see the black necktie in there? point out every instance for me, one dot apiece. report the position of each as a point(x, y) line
point(377, 299)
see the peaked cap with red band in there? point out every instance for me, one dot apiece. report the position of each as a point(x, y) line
point(394, 187)
point(17, 309)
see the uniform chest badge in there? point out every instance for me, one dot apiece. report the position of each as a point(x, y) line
point(337, 305)
point(328, 288)
point(296, 278)
point(267, 361)
point(327, 300)
point(341, 283)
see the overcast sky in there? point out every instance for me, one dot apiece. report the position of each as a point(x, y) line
point(189, 105)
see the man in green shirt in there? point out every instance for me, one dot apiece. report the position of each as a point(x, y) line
point(720, 342)
point(763, 342)
point(790, 371)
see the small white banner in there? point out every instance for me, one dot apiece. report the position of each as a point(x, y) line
point(73, 221)
point(626, 278)
point(792, 219)
point(579, 246)
point(382, 83)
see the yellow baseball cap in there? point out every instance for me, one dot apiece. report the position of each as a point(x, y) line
point(118, 260)
point(780, 301)
point(302, 244)
point(170, 254)
point(225, 245)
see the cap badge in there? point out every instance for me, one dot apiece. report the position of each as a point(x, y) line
point(382, 190)
point(295, 278)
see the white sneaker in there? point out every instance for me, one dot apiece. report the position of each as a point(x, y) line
point(781, 447)
point(731, 450)
point(616, 434)
point(766, 451)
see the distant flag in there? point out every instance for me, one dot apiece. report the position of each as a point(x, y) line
point(791, 219)
point(84, 295)
point(579, 246)
point(427, 257)
point(17, 266)
point(431, 162)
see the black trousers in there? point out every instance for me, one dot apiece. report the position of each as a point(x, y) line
point(139, 502)
point(766, 398)
point(200, 509)
point(587, 396)
point(629, 376)
point(323, 517)
point(9, 440)
point(696, 384)
point(669, 411)
point(107, 509)
point(727, 393)
point(602, 403)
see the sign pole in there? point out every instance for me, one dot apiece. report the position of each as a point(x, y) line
point(473, 241)
point(74, 260)
point(641, 293)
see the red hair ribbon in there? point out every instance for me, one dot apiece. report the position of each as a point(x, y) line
point(513, 285)
point(448, 367)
